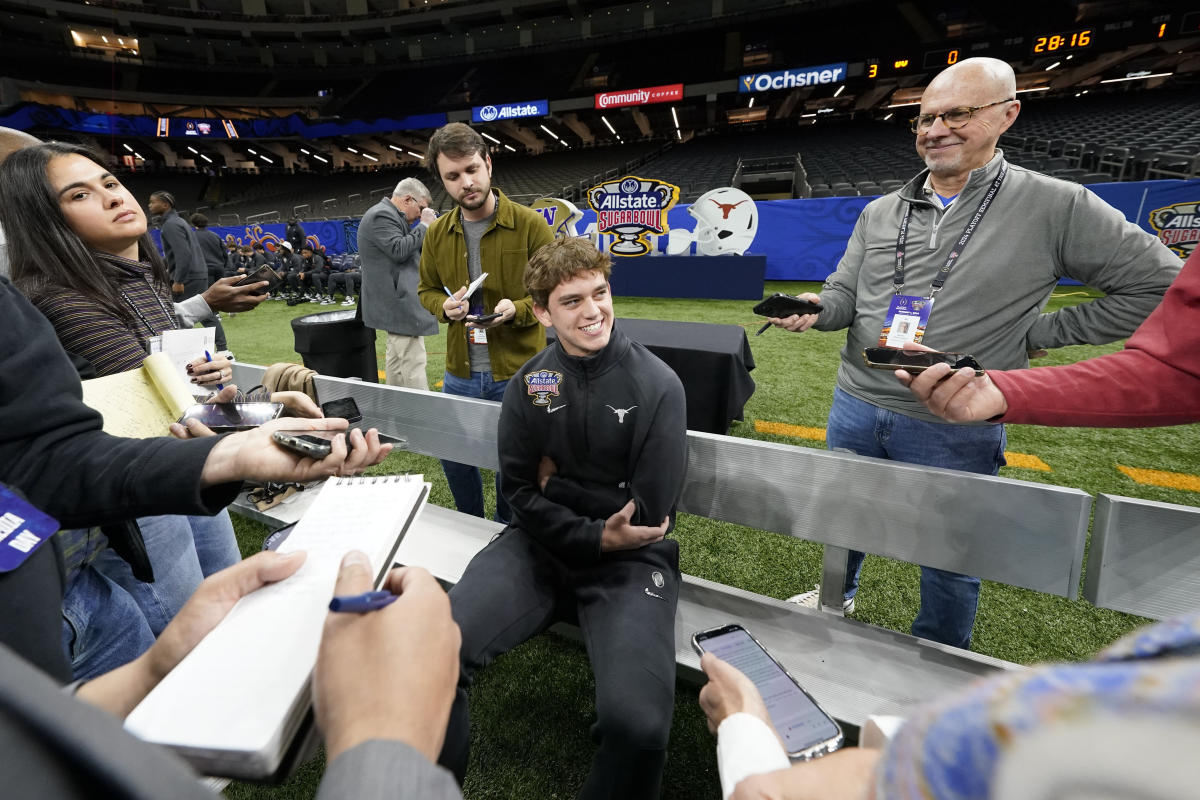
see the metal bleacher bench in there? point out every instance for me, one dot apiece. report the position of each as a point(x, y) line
point(1145, 557)
point(1019, 533)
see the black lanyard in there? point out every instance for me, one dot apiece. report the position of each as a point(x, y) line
point(170, 317)
point(959, 246)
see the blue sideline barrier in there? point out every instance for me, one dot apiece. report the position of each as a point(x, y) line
point(803, 240)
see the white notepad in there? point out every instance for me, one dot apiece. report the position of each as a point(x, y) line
point(233, 705)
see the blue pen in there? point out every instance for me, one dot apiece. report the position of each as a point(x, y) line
point(361, 603)
point(450, 294)
point(208, 358)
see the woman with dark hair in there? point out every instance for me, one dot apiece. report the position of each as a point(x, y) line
point(79, 250)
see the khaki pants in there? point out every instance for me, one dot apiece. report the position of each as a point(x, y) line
point(404, 361)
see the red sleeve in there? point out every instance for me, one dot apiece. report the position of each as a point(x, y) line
point(1155, 380)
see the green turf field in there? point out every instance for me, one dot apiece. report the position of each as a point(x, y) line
point(531, 710)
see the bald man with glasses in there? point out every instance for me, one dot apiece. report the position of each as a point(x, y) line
point(963, 258)
point(390, 237)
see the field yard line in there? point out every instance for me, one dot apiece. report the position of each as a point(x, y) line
point(1158, 477)
point(1022, 460)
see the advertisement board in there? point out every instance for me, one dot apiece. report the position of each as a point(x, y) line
point(640, 97)
point(503, 111)
point(792, 78)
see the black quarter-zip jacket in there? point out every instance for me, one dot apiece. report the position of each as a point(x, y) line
point(615, 426)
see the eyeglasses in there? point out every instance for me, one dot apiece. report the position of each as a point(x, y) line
point(420, 205)
point(952, 118)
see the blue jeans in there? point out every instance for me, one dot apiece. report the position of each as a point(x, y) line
point(948, 600)
point(183, 552)
point(466, 484)
point(103, 627)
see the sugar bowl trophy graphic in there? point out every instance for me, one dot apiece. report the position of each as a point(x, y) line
point(631, 207)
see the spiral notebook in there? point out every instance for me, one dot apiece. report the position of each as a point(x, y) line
point(234, 704)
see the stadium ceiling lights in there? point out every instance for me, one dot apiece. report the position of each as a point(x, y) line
point(840, 89)
point(552, 133)
point(1139, 77)
point(608, 124)
point(510, 148)
point(414, 155)
point(492, 139)
point(106, 41)
point(127, 147)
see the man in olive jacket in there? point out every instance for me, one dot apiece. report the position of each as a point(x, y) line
point(390, 247)
point(486, 233)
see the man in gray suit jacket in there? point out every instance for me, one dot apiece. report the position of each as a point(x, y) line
point(390, 247)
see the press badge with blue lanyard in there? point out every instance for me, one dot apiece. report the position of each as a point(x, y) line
point(908, 315)
point(23, 529)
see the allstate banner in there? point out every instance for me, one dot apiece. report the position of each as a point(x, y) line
point(505, 111)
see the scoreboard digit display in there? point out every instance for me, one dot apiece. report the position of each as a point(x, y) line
point(1045, 44)
point(936, 59)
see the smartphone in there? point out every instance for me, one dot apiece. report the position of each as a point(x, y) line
point(917, 361)
point(263, 273)
point(784, 305)
point(483, 317)
point(806, 730)
point(314, 444)
point(345, 408)
point(232, 416)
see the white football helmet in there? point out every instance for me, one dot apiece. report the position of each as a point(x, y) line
point(726, 222)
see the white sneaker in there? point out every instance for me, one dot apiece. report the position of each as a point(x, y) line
point(812, 599)
point(349, 301)
point(326, 301)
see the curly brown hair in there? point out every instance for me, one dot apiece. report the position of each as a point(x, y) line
point(560, 261)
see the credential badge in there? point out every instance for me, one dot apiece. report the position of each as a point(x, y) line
point(543, 385)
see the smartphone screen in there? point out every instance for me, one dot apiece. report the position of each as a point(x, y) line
point(233, 416)
point(799, 720)
point(345, 408)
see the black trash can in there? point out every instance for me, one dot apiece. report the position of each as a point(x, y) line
point(336, 343)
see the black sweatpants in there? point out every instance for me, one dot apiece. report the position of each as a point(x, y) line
point(625, 606)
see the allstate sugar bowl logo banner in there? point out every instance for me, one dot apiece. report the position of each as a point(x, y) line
point(630, 208)
point(1178, 227)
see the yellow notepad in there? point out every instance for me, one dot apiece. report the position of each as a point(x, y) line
point(142, 402)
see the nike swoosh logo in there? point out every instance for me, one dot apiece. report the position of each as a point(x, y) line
point(556, 408)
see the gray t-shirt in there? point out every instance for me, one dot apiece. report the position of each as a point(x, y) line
point(473, 232)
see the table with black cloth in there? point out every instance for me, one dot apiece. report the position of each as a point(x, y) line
point(712, 361)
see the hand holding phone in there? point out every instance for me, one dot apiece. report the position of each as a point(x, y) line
point(483, 318)
point(805, 730)
point(782, 306)
point(917, 361)
point(225, 417)
point(319, 444)
point(263, 273)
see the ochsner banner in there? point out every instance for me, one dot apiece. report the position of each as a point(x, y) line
point(529, 108)
point(640, 97)
point(791, 78)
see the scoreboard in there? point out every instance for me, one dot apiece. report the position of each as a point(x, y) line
point(1103, 36)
